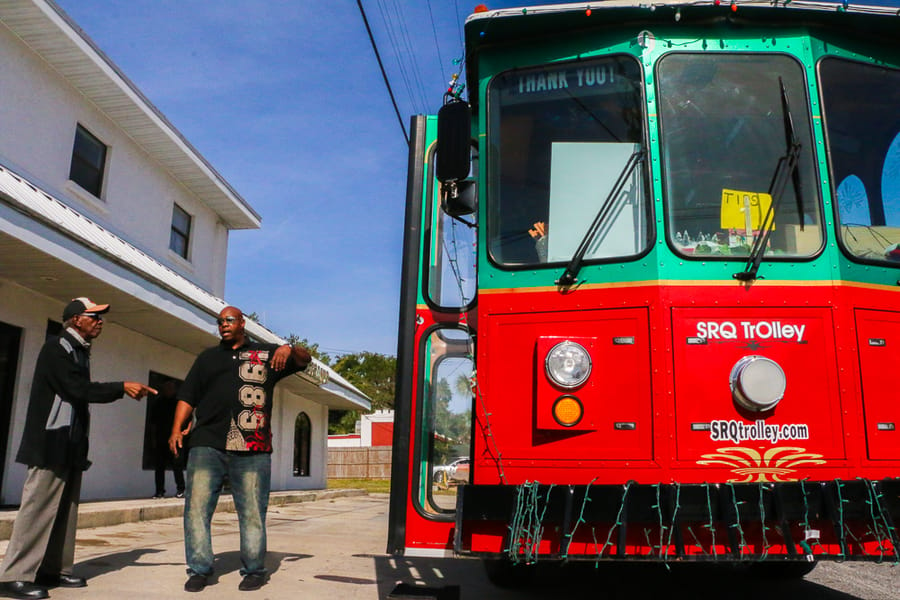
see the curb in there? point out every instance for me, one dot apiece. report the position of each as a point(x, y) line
point(117, 512)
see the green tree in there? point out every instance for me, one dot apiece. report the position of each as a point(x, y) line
point(463, 385)
point(342, 421)
point(452, 429)
point(313, 347)
point(374, 375)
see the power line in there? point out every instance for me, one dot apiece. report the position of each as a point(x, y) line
point(383, 74)
point(437, 44)
point(398, 35)
point(456, 18)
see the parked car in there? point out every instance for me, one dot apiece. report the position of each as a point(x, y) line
point(456, 471)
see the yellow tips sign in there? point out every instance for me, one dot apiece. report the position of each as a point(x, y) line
point(744, 210)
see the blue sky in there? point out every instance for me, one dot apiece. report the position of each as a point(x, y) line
point(286, 101)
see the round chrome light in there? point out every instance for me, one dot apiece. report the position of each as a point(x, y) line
point(568, 364)
point(757, 383)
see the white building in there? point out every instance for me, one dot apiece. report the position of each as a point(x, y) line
point(101, 196)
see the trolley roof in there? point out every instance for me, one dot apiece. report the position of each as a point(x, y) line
point(499, 27)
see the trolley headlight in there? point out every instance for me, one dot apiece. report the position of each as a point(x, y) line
point(568, 364)
point(757, 383)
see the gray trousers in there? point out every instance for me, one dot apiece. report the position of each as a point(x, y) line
point(43, 536)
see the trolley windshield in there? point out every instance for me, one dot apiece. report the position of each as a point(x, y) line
point(561, 136)
point(724, 130)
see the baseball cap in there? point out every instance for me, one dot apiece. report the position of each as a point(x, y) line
point(83, 305)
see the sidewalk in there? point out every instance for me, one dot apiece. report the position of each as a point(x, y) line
point(116, 512)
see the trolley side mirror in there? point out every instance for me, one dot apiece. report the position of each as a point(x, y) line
point(459, 198)
point(454, 134)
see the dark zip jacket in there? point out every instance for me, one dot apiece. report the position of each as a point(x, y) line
point(58, 419)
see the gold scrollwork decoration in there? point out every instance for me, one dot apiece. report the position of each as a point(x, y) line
point(773, 465)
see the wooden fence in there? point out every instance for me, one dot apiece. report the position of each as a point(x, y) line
point(359, 463)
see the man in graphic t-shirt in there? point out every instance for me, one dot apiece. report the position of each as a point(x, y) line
point(228, 392)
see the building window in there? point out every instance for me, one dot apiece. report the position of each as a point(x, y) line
point(302, 433)
point(88, 161)
point(179, 239)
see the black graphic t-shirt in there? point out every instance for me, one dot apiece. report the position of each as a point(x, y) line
point(231, 392)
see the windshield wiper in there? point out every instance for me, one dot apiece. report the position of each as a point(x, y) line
point(570, 275)
point(786, 167)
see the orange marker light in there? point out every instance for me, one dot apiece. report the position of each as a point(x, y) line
point(567, 411)
point(480, 8)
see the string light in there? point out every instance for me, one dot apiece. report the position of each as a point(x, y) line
point(451, 85)
point(737, 519)
point(526, 526)
point(711, 526)
point(487, 430)
point(618, 522)
point(762, 521)
point(840, 506)
point(568, 536)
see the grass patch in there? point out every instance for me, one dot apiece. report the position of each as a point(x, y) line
point(370, 485)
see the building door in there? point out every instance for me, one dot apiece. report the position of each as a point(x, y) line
point(10, 338)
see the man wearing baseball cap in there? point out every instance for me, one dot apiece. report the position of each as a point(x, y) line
point(54, 446)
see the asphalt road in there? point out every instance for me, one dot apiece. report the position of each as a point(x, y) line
point(335, 549)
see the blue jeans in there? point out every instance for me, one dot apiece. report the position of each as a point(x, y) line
point(249, 474)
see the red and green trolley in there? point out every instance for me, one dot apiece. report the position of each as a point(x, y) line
point(667, 328)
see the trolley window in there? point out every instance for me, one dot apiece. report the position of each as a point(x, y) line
point(445, 418)
point(451, 250)
point(723, 133)
point(560, 137)
point(862, 126)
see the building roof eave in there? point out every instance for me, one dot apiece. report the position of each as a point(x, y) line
point(45, 28)
point(57, 252)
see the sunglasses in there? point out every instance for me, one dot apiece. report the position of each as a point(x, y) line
point(93, 316)
point(228, 319)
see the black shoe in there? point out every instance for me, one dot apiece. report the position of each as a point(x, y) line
point(23, 589)
point(159, 495)
point(195, 583)
point(179, 494)
point(252, 581)
point(61, 580)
